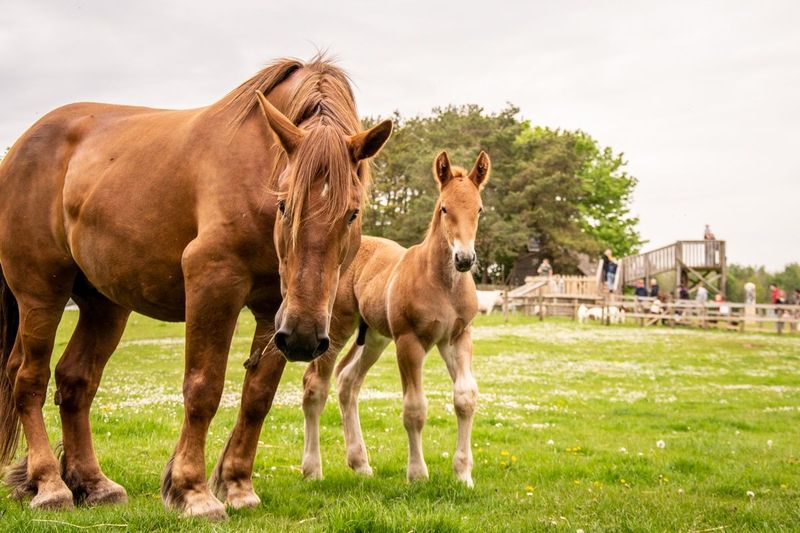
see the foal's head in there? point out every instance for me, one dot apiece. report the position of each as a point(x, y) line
point(459, 206)
point(317, 229)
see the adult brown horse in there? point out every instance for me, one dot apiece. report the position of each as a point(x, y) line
point(173, 214)
point(420, 297)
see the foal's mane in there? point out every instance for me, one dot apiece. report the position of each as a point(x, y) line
point(321, 102)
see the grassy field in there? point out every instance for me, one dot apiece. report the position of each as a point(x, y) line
point(579, 428)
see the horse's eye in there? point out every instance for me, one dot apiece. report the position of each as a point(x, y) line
point(353, 216)
point(480, 210)
point(282, 206)
point(444, 211)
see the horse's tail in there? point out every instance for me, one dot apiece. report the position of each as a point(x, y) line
point(9, 418)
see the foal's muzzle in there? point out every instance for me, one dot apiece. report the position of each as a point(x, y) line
point(464, 260)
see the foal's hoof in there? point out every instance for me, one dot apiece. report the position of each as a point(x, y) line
point(417, 473)
point(107, 492)
point(362, 469)
point(466, 479)
point(312, 472)
point(53, 498)
point(204, 505)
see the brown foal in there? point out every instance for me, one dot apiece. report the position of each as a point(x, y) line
point(419, 297)
point(173, 214)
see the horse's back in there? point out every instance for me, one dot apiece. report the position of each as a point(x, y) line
point(94, 184)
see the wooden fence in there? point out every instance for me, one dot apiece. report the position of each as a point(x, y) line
point(651, 311)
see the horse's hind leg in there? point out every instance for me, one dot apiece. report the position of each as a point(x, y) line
point(41, 303)
point(78, 374)
point(458, 357)
point(350, 377)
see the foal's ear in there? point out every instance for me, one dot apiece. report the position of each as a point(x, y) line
point(480, 172)
point(286, 133)
point(442, 169)
point(368, 143)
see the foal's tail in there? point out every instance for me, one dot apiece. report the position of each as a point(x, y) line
point(9, 419)
point(361, 339)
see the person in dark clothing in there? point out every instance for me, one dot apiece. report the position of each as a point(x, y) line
point(654, 288)
point(641, 290)
point(683, 292)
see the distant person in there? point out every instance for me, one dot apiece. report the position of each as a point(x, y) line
point(683, 292)
point(545, 269)
point(750, 293)
point(711, 247)
point(654, 288)
point(609, 269)
point(784, 314)
point(774, 293)
point(797, 297)
point(702, 295)
point(722, 304)
point(641, 290)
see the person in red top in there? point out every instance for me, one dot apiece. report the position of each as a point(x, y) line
point(775, 293)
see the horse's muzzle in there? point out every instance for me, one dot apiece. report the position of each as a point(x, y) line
point(301, 347)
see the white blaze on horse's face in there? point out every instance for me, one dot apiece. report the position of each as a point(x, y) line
point(460, 206)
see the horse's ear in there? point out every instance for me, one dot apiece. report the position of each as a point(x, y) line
point(480, 172)
point(442, 169)
point(286, 133)
point(368, 143)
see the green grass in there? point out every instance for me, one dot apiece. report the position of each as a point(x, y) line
point(565, 436)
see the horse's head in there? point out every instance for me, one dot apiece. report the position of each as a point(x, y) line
point(317, 230)
point(460, 205)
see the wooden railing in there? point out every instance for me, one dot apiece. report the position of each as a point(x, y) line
point(693, 254)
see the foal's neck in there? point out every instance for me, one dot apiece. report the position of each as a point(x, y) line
point(439, 256)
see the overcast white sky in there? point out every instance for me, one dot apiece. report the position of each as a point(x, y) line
point(702, 97)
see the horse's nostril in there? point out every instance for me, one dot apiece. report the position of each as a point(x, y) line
point(323, 346)
point(280, 341)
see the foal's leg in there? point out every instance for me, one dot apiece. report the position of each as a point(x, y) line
point(316, 383)
point(231, 480)
point(350, 377)
point(458, 357)
point(215, 292)
point(78, 374)
point(410, 355)
point(41, 304)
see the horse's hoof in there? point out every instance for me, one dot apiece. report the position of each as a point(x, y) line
point(312, 472)
point(204, 505)
point(362, 469)
point(466, 479)
point(107, 492)
point(242, 499)
point(417, 473)
point(56, 498)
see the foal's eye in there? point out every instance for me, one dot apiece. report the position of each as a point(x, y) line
point(444, 211)
point(353, 216)
point(480, 210)
point(282, 206)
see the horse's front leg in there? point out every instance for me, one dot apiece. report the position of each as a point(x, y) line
point(458, 357)
point(216, 287)
point(410, 356)
point(231, 480)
